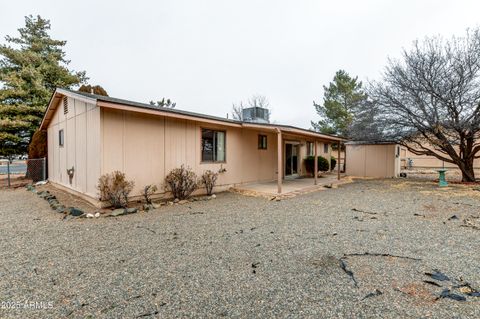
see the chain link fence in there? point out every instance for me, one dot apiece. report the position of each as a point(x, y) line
point(13, 171)
point(37, 169)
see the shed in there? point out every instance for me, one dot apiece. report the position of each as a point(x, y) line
point(379, 159)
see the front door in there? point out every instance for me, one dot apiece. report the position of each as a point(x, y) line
point(291, 159)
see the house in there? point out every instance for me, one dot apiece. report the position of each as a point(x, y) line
point(90, 135)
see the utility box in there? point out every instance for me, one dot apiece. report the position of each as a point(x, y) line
point(373, 159)
point(256, 115)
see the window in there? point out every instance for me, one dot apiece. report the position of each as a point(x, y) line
point(262, 142)
point(310, 149)
point(325, 148)
point(213, 146)
point(60, 138)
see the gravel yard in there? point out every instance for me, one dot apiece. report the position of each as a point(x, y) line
point(361, 250)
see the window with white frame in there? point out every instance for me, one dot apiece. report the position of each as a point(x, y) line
point(213, 146)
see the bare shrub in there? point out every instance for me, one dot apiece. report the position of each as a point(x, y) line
point(114, 188)
point(209, 179)
point(182, 182)
point(148, 191)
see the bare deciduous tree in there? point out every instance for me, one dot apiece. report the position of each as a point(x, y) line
point(237, 111)
point(430, 100)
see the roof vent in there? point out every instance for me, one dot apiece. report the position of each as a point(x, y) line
point(65, 105)
point(256, 114)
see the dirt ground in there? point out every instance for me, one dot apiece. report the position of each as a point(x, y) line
point(16, 181)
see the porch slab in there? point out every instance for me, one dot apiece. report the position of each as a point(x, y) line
point(291, 187)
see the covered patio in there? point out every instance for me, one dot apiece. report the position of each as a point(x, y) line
point(292, 186)
point(293, 145)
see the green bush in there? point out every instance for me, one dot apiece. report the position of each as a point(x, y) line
point(333, 162)
point(310, 164)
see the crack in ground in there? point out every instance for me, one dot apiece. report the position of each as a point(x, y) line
point(380, 255)
point(343, 265)
point(150, 230)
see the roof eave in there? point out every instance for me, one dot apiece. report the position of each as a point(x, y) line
point(51, 108)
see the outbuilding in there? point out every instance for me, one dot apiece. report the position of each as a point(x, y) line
point(380, 159)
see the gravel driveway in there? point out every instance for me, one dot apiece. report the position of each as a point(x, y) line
point(362, 250)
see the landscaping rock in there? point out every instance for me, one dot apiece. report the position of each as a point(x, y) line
point(97, 214)
point(43, 194)
point(156, 205)
point(90, 215)
point(176, 200)
point(74, 211)
point(213, 196)
point(183, 201)
point(131, 210)
point(118, 212)
point(60, 209)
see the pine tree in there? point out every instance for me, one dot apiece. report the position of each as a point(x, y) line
point(31, 67)
point(340, 100)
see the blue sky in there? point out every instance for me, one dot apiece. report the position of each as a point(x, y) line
point(205, 55)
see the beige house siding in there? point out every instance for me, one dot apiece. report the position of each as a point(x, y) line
point(147, 147)
point(372, 160)
point(81, 150)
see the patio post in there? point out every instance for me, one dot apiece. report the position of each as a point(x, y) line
point(338, 161)
point(279, 161)
point(315, 164)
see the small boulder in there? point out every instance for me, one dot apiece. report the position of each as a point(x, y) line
point(118, 212)
point(74, 211)
point(176, 200)
point(97, 214)
point(213, 196)
point(131, 210)
point(183, 201)
point(60, 209)
point(156, 205)
point(90, 215)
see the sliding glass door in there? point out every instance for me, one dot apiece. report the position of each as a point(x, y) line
point(291, 159)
